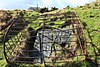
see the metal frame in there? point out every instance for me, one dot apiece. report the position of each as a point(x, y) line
point(77, 29)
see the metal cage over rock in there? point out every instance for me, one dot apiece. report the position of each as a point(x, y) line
point(47, 38)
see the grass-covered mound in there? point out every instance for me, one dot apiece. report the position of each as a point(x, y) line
point(90, 17)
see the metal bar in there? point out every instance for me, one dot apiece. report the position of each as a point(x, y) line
point(41, 47)
point(77, 27)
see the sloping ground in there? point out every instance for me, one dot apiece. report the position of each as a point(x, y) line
point(70, 64)
point(57, 21)
point(90, 18)
point(91, 21)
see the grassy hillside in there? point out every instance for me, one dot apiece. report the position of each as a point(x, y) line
point(90, 17)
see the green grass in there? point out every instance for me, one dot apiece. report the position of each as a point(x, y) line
point(91, 24)
point(91, 21)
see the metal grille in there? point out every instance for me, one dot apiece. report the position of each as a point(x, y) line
point(29, 41)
